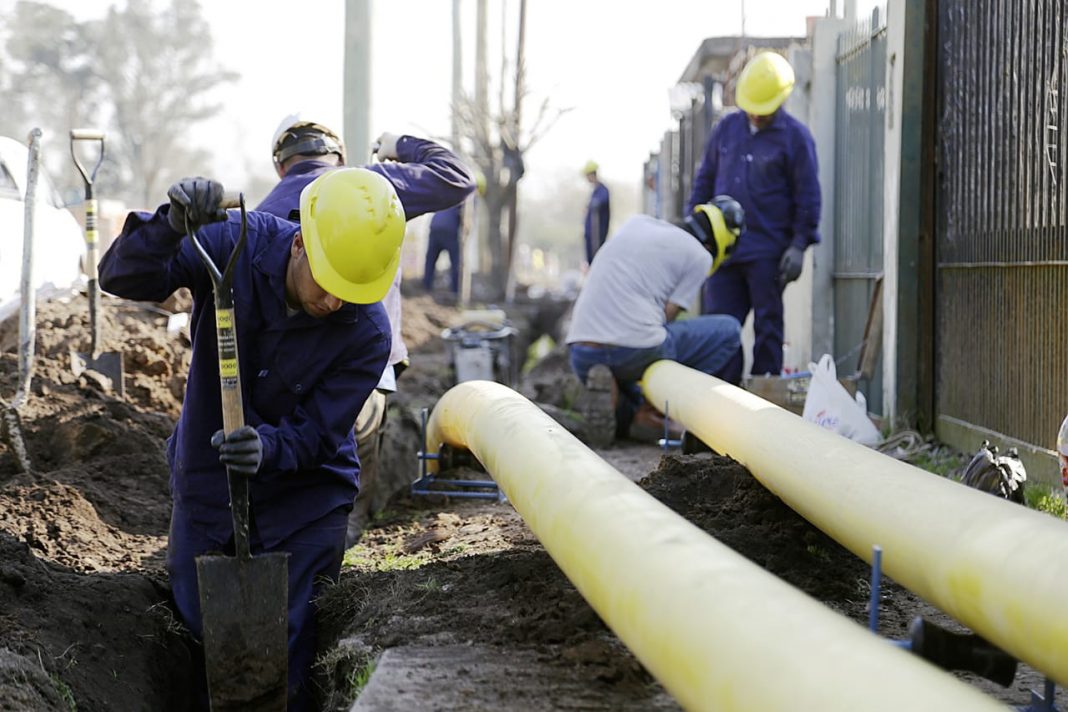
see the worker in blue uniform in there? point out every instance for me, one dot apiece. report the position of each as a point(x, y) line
point(598, 213)
point(766, 159)
point(313, 341)
point(444, 236)
point(427, 177)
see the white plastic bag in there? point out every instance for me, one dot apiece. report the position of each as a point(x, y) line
point(829, 405)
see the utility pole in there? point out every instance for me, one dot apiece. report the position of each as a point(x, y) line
point(457, 74)
point(515, 171)
point(357, 80)
point(743, 18)
point(481, 117)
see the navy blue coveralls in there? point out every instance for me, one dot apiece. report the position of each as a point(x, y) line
point(595, 230)
point(444, 237)
point(773, 174)
point(303, 382)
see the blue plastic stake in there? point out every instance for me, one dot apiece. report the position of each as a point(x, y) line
point(876, 584)
point(666, 443)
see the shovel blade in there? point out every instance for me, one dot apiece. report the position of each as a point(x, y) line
point(243, 606)
point(108, 364)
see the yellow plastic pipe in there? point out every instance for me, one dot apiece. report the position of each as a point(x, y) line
point(717, 631)
point(999, 568)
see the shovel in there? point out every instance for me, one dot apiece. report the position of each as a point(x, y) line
point(108, 363)
point(10, 424)
point(244, 598)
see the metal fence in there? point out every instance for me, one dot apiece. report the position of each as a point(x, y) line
point(858, 239)
point(1001, 307)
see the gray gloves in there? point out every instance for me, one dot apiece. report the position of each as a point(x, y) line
point(790, 265)
point(197, 201)
point(386, 147)
point(241, 451)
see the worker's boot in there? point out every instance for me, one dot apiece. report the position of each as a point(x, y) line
point(598, 407)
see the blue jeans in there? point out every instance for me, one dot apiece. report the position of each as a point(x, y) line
point(704, 343)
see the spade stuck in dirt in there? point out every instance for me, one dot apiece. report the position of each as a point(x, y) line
point(105, 363)
point(243, 598)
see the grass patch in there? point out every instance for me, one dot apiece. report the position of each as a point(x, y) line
point(1046, 499)
point(818, 552)
point(64, 691)
point(358, 678)
point(342, 673)
point(941, 461)
point(431, 585)
point(362, 557)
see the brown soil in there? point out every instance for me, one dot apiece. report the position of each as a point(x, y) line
point(84, 613)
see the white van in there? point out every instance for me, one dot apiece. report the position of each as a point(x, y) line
point(59, 243)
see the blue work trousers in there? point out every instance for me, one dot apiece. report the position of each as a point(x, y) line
point(735, 289)
point(436, 244)
point(704, 343)
point(315, 553)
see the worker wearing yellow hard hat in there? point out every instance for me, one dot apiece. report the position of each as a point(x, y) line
point(625, 317)
point(766, 159)
point(312, 343)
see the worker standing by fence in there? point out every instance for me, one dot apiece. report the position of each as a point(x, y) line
point(766, 159)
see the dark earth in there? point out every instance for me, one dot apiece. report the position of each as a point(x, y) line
point(85, 620)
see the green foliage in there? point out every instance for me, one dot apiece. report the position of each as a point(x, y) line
point(431, 585)
point(362, 557)
point(1046, 499)
point(538, 350)
point(818, 552)
point(64, 692)
point(359, 677)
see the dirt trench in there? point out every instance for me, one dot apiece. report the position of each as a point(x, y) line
point(85, 621)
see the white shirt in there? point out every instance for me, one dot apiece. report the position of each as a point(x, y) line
point(645, 265)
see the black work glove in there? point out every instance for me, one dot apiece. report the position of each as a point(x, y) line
point(790, 265)
point(196, 201)
point(241, 450)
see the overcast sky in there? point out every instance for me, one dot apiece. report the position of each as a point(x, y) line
point(611, 63)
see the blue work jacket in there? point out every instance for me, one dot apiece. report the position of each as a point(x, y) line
point(773, 174)
point(597, 217)
point(445, 225)
point(428, 177)
point(303, 380)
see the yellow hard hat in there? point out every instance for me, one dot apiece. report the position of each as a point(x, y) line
point(590, 167)
point(353, 226)
point(727, 220)
point(764, 84)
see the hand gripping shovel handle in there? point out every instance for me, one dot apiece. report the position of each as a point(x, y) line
point(229, 371)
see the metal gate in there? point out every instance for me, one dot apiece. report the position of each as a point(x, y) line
point(1001, 251)
point(858, 239)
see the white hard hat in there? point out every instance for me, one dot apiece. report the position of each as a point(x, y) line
point(297, 134)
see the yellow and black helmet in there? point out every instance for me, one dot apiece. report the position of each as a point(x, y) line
point(718, 224)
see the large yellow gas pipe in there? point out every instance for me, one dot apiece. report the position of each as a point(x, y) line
point(999, 568)
point(717, 631)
